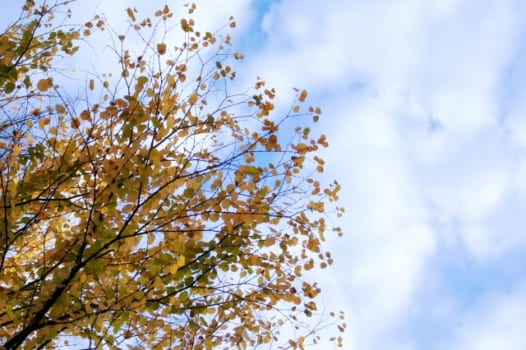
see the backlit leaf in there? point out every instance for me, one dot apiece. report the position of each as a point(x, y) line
point(44, 84)
point(303, 96)
point(161, 48)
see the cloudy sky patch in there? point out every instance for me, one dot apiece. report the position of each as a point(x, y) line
point(424, 107)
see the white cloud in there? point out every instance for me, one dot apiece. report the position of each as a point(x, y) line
point(412, 99)
point(389, 240)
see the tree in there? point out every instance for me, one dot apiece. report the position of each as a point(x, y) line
point(157, 209)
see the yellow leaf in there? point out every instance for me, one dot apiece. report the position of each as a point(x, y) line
point(173, 269)
point(44, 84)
point(129, 11)
point(43, 122)
point(186, 26)
point(158, 283)
point(180, 260)
point(60, 108)
point(302, 96)
point(85, 115)
point(269, 241)
point(208, 343)
point(323, 141)
point(193, 99)
point(170, 80)
point(311, 305)
point(317, 206)
point(161, 48)
point(254, 260)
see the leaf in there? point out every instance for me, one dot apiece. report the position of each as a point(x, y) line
point(161, 48)
point(27, 82)
point(303, 96)
point(9, 87)
point(193, 99)
point(131, 15)
point(156, 123)
point(208, 343)
point(44, 84)
point(85, 115)
point(188, 192)
point(185, 25)
point(269, 241)
point(43, 122)
point(60, 109)
point(316, 206)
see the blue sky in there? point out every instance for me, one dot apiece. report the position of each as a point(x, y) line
point(425, 110)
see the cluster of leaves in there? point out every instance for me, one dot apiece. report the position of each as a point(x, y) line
point(169, 213)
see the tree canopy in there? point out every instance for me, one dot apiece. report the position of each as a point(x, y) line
point(153, 206)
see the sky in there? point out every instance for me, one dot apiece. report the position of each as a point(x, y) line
point(424, 107)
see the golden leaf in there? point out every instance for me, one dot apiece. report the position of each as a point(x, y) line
point(43, 122)
point(270, 240)
point(303, 96)
point(193, 98)
point(131, 15)
point(44, 84)
point(161, 48)
point(181, 260)
point(60, 108)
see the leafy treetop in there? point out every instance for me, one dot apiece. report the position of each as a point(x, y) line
point(159, 209)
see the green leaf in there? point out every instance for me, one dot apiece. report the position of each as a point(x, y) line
point(27, 81)
point(9, 87)
point(188, 192)
point(156, 122)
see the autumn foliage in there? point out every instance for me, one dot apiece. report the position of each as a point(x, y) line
point(157, 208)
